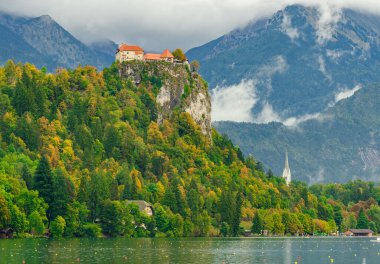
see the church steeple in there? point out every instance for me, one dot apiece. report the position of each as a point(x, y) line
point(286, 174)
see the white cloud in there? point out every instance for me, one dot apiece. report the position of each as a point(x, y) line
point(346, 93)
point(153, 24)
point(322, 68)
point(263, 77)
point(330, 15)
point(234, 103)
point(267, 115)
point(296, 120)
point(277, 65)
point(287, 28)
point(334, 54)
point(318, 177)
point(157, 24)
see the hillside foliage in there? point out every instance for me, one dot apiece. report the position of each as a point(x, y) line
point(76, 145)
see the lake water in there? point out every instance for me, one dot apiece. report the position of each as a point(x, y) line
point(191, 250)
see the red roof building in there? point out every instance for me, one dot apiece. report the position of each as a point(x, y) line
point(127, 52)
point(125, 47)
point(152, 57)
point(167, 54)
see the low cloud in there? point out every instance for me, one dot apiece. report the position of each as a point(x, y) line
point(318, 177)
point(277, 65)
point(263, 77)
point(346, 93)
point(330, 15)
point(235, 102)
point(322, 68)
point(334, 54)
point(267, 115)
point(287, 28)
point(295, 121)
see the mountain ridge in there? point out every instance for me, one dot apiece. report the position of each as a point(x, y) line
point(294, 68)
point(316, 72)
point(53, 45)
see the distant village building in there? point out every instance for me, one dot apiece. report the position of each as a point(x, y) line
point(359, 232)
point(143, 206)
point(131, 52)
point(286, 174)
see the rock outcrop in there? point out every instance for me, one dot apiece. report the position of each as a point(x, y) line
point(178, 88)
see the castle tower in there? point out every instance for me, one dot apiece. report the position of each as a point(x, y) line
point(286, 174)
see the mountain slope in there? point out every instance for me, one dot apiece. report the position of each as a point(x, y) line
point(11, 43)
point(342, 144)
point(107, 47)
point(298, 61)
point(58, 46)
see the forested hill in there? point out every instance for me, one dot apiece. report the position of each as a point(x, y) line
point(76, 145)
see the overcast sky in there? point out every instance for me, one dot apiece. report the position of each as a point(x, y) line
point(159, 24)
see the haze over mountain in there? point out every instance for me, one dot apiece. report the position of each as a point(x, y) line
point(293, 68)
point(343, 143)
point(43, 42)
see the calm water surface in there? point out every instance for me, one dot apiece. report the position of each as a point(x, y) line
point(192, 250)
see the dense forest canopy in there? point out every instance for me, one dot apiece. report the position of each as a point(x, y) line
point(76, 145)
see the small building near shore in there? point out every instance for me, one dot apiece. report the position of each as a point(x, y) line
point(6, 233)
point(144, 207)
point(359, 232)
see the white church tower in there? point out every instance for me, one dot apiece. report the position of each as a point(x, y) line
point(286, 174)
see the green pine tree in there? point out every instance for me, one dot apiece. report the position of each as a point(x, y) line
point(27, 176)
point(362, 220)
point(338, 217)
point(236, 215)
point(62, 195)
point(257, 224)
point(44, 184)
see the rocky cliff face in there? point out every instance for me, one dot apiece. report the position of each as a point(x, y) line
point(175, 88)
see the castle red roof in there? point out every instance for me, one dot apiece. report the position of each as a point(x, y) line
point(125, 47)
point(152, 56)
point(167, 54)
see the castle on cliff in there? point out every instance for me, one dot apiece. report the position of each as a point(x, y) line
point(132, 52)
